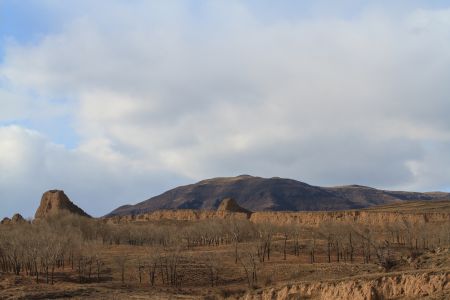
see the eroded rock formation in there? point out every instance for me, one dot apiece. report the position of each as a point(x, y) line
point(396, 286)
point(54, 202)
point(230, 205)
point(17, 219)
point(376, 218)
point(5, 221)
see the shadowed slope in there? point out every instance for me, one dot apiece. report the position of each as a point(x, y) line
point(272, 194)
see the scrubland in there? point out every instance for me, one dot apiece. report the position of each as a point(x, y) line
point(69, 256)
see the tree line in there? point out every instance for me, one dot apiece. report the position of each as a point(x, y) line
point(74, 244)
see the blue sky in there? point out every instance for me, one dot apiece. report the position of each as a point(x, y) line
point(116, 101)
point(24, 22)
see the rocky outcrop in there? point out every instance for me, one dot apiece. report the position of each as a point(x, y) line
point(373, 218)
point(230, 205)
point(177, 215)
point(5, 221)
point(18, 219)
point(348, 217)
point(55, 202)
point(396, 286)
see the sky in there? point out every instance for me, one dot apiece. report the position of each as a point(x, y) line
point(117, 101)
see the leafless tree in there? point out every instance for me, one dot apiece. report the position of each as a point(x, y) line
point(213, 266)
point(250, 263)
point(170, 260)
point(239, 230)
point(121, 262)
point(152, 262)
point(265, 233)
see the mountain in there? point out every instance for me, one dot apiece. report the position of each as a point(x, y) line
point(54, 202)
point(273, 194)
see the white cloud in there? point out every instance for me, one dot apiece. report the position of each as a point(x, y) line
point(96, 180)
point(329, 101)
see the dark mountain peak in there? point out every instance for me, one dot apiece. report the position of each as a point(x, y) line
point(354, 186)
point(275, 194)
point(222, 180)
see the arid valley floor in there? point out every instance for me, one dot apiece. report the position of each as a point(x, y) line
point(398, 251)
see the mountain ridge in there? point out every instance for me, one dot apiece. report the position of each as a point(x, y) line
point(271, 194)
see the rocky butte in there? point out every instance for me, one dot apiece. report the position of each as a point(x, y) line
point(230, 205)
point(55, 202)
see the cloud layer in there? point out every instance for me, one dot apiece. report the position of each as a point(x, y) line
point(162, 94)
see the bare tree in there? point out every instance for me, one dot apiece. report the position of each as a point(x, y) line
point(121, 262)
point(170, 260)
point(250, 263)
point(239, 230)
point(213, 266)
point(265, 233)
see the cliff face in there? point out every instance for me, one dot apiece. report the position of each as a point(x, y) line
point(270, 194)
point(55, 202)
point(347, 217)
point(286, 218)
point(177, 215)
point(230, 205)
point(398, 286)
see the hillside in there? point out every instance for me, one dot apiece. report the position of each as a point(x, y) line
point(271, 194)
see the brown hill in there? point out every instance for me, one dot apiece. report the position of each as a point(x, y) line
point(55, 202)
point(271, 194)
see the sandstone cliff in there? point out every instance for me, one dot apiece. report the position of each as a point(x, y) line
point(348, 217)
point(54, 202)
point(375, 218)
point(177, 215)
point(230, 205)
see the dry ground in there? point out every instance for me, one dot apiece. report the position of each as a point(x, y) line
point(193, 275)
point(195, 285)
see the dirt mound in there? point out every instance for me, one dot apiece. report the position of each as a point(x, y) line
point(230, 205)
point(55, 202)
